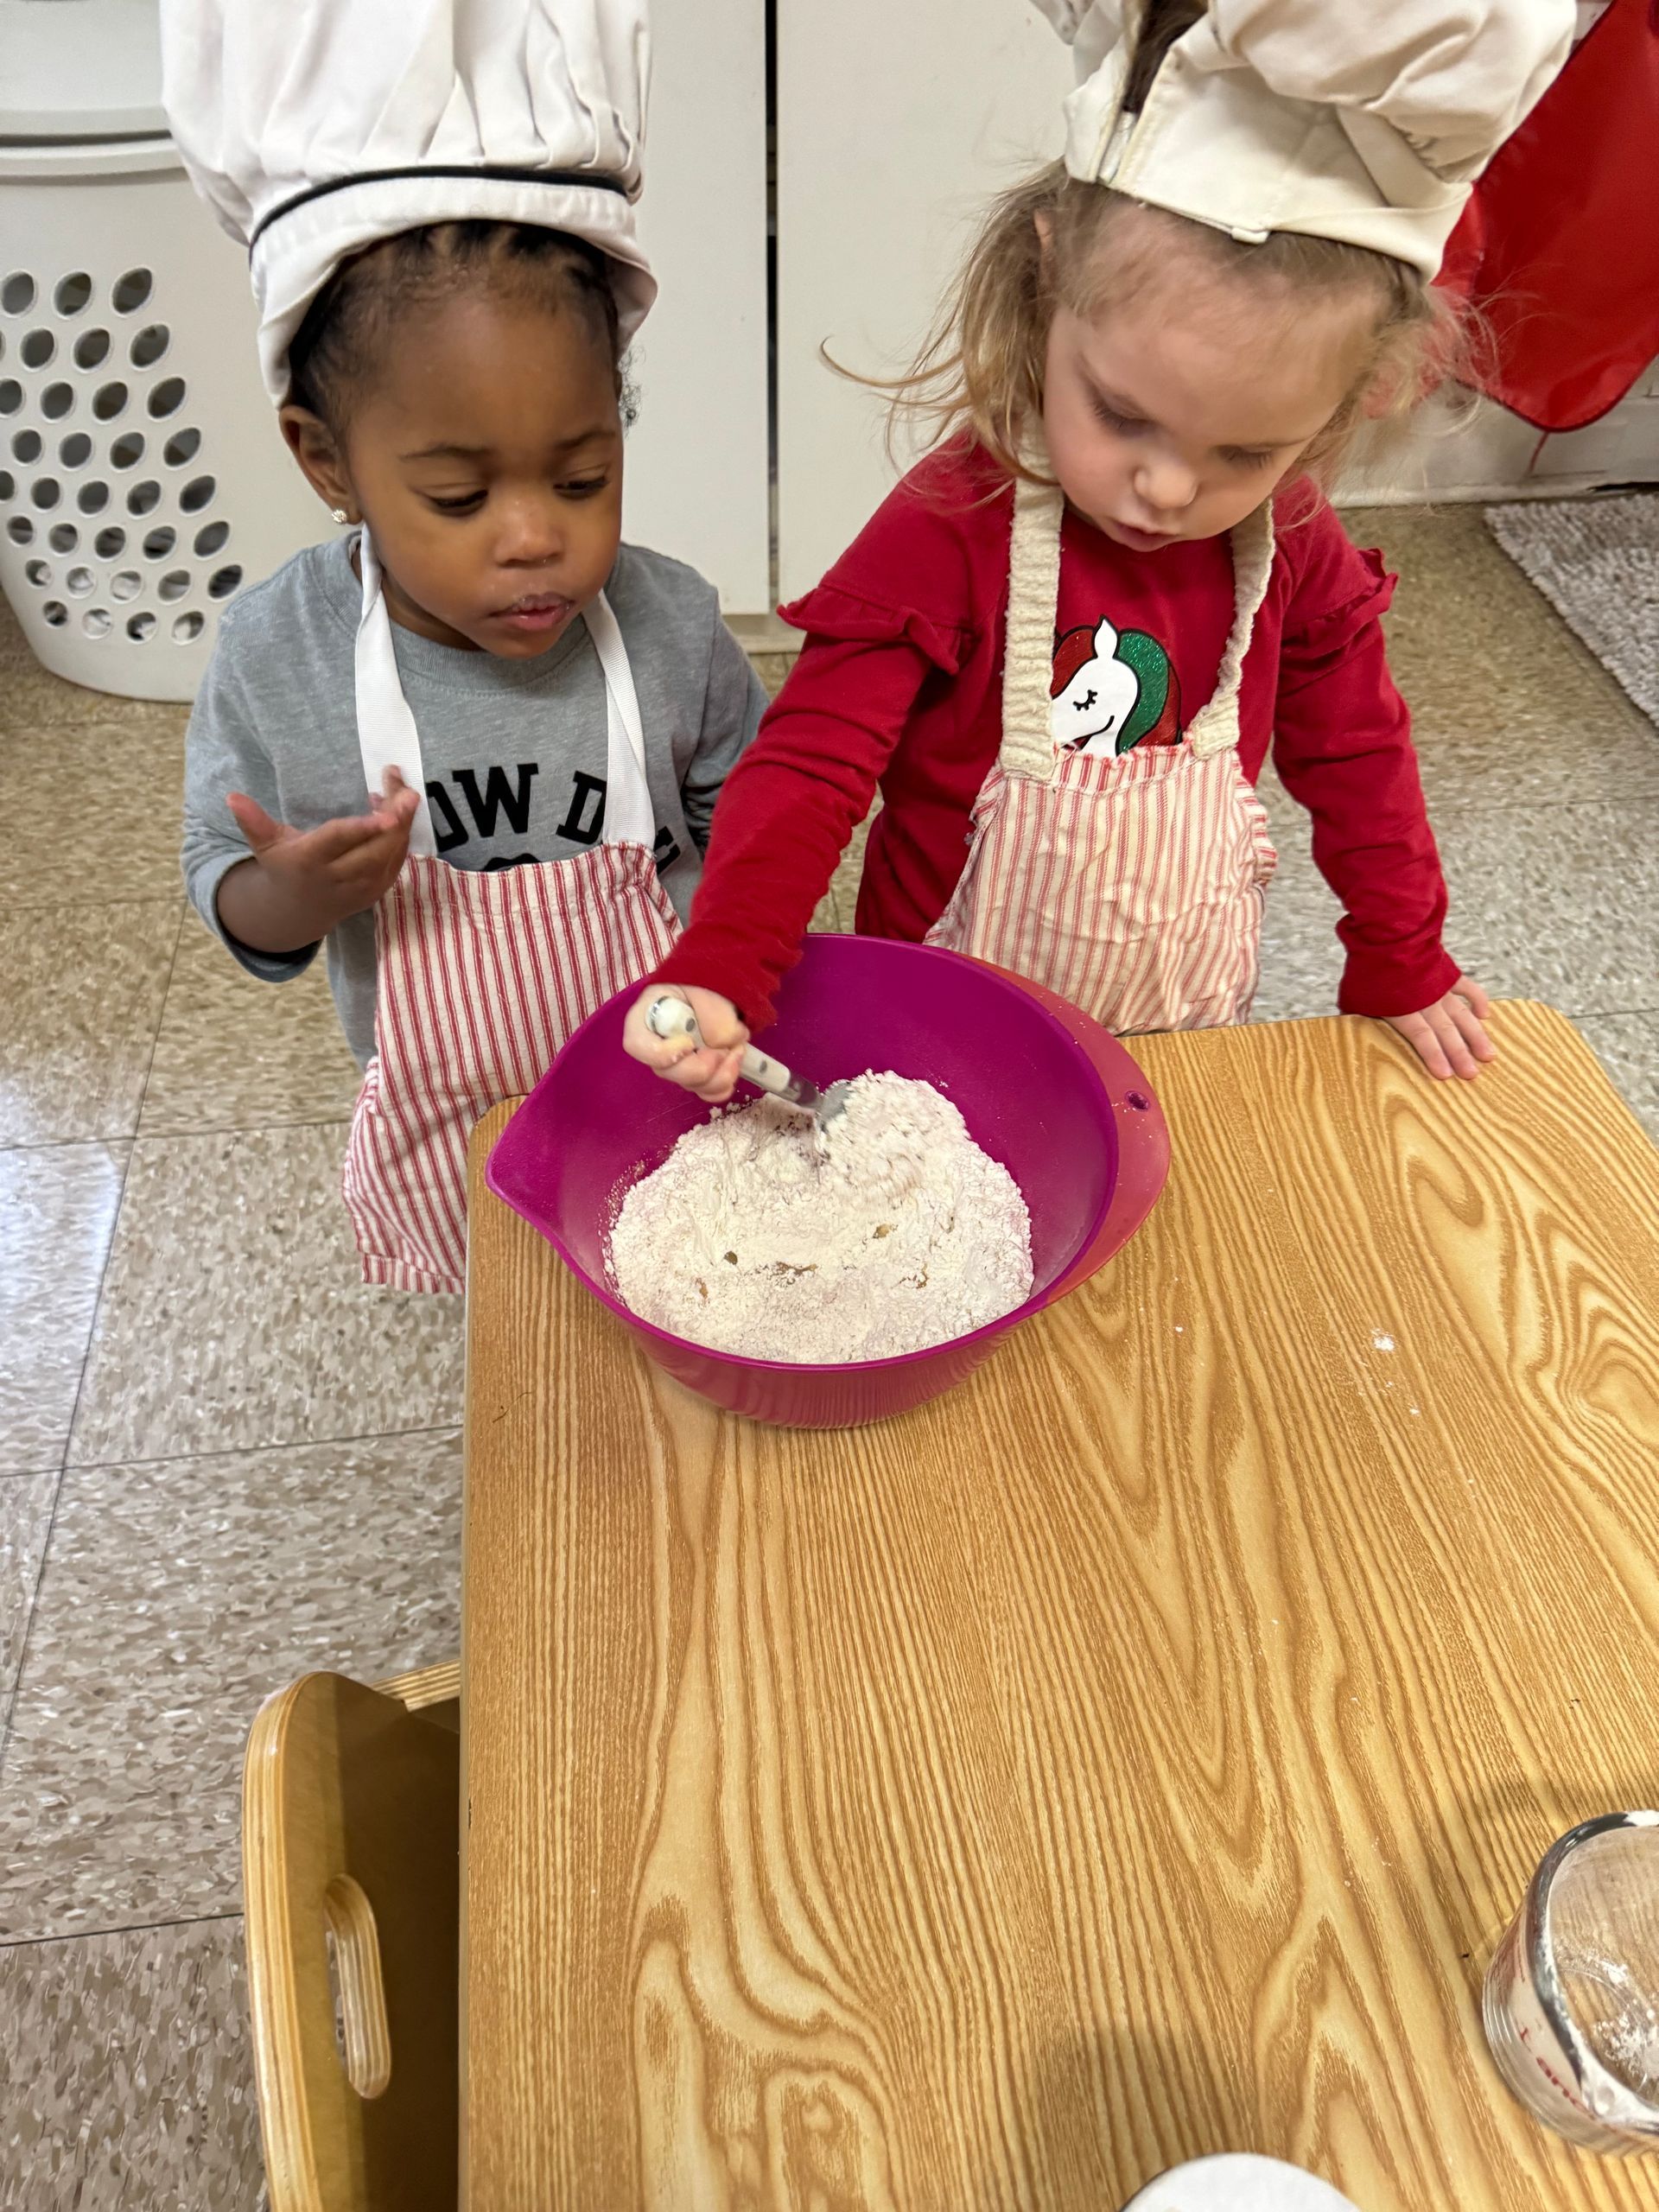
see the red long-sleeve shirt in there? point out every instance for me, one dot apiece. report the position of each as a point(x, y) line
point(899, 684)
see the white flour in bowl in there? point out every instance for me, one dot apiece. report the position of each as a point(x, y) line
point(888, 1232)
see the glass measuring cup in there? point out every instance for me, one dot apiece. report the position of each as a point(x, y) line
point(1571, 2004)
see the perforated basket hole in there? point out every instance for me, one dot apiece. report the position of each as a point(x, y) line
point(224, 581)
point(92, 498)
point(189, 625)
point(182, 446)
point(174, 585)
point(37, 348)
point(11, 395)
point(109, 401)
point(26, 445)
point(73, 292)
point(57, 401)
point(197, 494)
point(46, 493)
point(148, 348)
point(55, 613)
point(145, 498)
point(7, 483)
point(141, 627)
point(110, 544)
point(97, 621)
point(158, 544)
point(92, 349)
point(127, 451)
point(168, 397)
point(79, 583)
point(76, 450)
point(210, 539)
point(63, 538)
point(21, 531)
point(17, 293)
point(126, 583)
point(38, 574)
point(129, 292)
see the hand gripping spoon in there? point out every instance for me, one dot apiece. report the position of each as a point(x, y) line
point(670, 1017)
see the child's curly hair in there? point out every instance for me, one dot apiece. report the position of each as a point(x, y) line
point(1042, 244)
point(350, 322)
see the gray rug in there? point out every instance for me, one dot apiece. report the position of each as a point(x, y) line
point(1597, 562)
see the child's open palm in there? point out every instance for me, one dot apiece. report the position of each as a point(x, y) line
point(339, 868)
point(1448, 1037)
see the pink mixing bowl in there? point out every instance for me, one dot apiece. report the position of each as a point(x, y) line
point(1040, 1087)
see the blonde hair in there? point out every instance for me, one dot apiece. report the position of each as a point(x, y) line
point(1046, 242)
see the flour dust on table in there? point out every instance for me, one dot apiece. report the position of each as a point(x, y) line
point(886, 1231)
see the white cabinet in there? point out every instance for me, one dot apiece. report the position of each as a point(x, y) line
point(895, 125)
point(696, 483)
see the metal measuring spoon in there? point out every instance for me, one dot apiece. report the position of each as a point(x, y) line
point(668, 1017)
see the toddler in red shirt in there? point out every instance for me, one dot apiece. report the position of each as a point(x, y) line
point(1065, 644)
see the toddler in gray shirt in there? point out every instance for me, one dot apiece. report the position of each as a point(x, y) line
point(473, 749)
point(513, 749)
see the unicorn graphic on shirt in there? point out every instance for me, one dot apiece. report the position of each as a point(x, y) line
point(1112, 689)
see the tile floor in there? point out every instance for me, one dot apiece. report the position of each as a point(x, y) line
point(222, 1462)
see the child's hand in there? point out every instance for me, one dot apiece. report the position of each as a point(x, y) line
point(313, 879)
point(1448, 1037)
point(711, 1073)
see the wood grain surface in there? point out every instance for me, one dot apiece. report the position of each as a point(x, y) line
point(1136, 1753)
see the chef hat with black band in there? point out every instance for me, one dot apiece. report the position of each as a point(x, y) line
point(1361, 120)
point(313, 128)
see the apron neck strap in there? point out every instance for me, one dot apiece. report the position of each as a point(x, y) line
point(387, 736)
point(1027, 747)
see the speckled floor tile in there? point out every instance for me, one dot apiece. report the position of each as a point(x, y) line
point(232, 1316)
point(175, 1598)
point(1509, 708)
point(1301, 959)
point(58, 1206)
point(1558, 906)
point(828, 914)
point(772, 669)
point(83, 992)
point(31, 699)
point(234, 1052)
point(25, 1516)
point(103, 798)
point(1628, 1045)
point(130, 2081)
point(843, 884)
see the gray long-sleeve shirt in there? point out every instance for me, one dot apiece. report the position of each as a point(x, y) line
point(513, 750)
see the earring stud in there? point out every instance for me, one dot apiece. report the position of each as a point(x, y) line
point(339, 514)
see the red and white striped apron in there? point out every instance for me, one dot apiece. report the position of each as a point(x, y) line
point(481, 974)
point(1132, 884)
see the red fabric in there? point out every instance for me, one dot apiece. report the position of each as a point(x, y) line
point(900, 682)
point(1560, 243)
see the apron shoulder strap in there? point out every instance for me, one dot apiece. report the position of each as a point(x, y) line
point(630, 815)
point(1215, 727)
point(1027, 747)
point(386, 736)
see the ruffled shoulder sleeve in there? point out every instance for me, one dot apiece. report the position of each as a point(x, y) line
point(1335, 590)
point(927, 569)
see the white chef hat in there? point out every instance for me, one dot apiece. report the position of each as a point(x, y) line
point(313, 127)
point(1365, 120)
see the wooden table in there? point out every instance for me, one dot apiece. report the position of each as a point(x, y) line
point(1134, 1754)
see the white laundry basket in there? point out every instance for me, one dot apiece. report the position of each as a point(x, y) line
point(142, 479)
